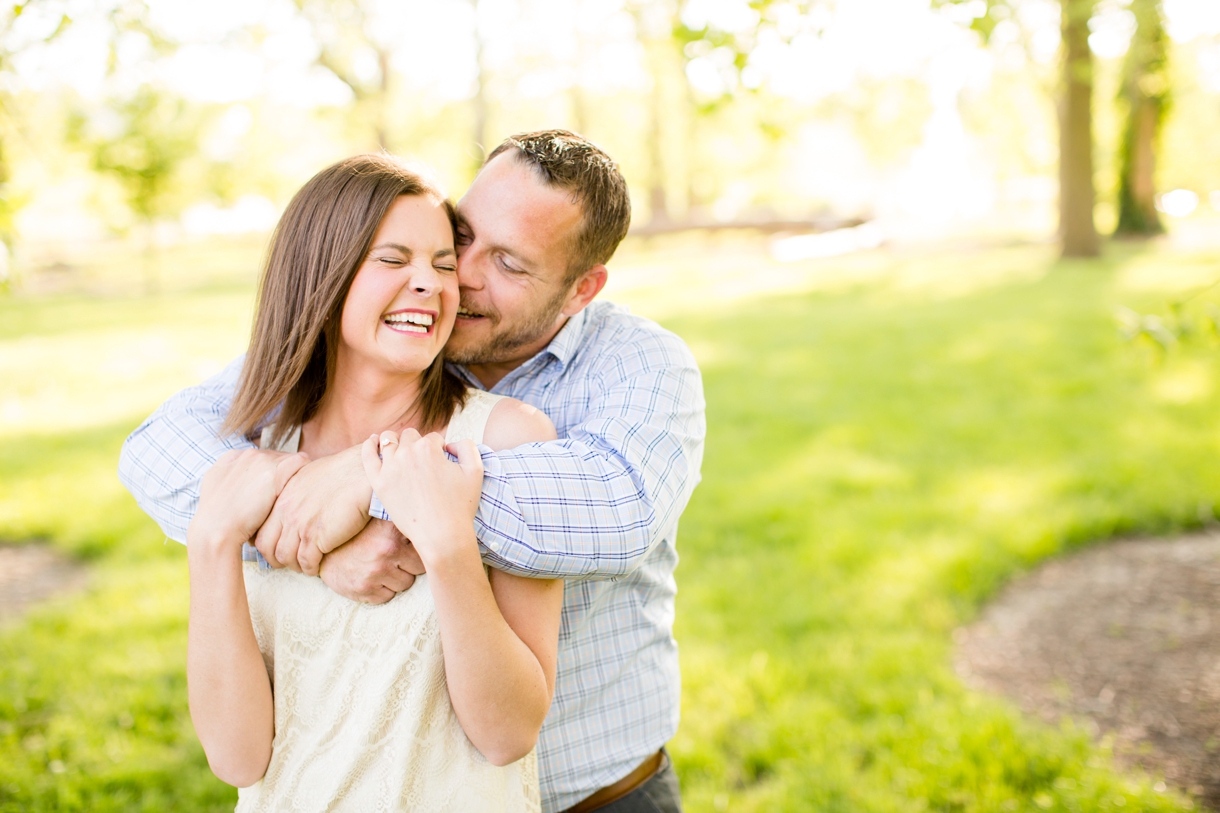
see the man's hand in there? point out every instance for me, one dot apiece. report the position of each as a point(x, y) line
point(322, 507)
point(374, 567)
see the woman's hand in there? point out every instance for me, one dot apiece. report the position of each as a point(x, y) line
point(237, 494)
point(431, 499)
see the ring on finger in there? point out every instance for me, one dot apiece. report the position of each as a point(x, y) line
point(388, 439)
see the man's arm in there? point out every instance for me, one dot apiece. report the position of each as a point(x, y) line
point(592, 504)
point(163, 461)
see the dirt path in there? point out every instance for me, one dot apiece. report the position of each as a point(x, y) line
point(30, 573)
point(1125, 638)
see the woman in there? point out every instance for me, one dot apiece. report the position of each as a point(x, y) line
point(305, 699)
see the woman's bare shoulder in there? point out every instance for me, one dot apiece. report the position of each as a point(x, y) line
point(514, 423)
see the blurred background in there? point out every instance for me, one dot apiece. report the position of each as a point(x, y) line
point(947, 265)
point(170, 124)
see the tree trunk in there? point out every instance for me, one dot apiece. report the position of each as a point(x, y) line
point(6, 224)
point(382, 100)
point(658, 200)
point(152, 279)
point(479, 131)
point(1076, 193)
point(6, 213)
point(580, 109)
point(1145, 90)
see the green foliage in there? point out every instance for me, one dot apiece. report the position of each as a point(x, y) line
point(779, 21)
point(141, 143)
point(1190, 320)
point(11, 45)
point(883, 453)
point(983, 17)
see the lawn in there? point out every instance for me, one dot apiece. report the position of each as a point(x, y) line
point(892, 435)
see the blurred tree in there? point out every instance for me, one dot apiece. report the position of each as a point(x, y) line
point(676, 37)
point(13, 43)
point(1145, 93)
point(353, 47)
point(27, 25)
point(481, 108)
point(142, 142)
point(1077, 196)
point(654, 22)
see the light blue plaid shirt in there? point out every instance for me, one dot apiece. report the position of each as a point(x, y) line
point(598, 507)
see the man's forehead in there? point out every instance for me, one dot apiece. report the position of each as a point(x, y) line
point(509, 194)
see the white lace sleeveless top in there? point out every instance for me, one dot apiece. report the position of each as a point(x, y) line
point(363, 720)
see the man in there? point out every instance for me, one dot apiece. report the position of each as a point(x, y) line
point(599, 507)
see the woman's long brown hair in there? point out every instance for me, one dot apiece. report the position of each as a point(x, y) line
point(316, 250)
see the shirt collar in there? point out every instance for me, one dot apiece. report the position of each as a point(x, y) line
point(567, 340)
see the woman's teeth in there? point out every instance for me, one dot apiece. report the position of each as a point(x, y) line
point(410, 322)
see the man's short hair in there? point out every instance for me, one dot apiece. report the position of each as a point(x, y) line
point(572, 163)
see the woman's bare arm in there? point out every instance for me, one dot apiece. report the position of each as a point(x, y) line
point(499, 641)
point(500, 635)
point(230, 693)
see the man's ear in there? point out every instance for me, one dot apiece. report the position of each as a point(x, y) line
point(588, 286)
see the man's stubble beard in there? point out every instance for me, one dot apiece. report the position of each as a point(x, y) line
point(502, 346)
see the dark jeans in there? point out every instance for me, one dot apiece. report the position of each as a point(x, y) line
point(660, 794)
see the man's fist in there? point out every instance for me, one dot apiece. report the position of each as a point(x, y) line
point(374, 567)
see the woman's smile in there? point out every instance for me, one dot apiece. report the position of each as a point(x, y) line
point(411, 321)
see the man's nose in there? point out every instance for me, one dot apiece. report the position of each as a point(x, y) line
point(468, 273)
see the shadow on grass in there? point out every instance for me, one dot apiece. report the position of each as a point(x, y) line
point(64, 489)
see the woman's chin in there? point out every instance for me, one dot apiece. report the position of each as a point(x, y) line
point(412, 366)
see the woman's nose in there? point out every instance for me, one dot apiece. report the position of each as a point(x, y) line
point(425, 281)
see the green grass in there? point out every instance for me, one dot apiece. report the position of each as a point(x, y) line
point(890, 439)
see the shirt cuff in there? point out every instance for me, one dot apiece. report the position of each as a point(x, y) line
point(376, 509)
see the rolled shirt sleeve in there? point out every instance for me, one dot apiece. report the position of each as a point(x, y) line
point(595, 502)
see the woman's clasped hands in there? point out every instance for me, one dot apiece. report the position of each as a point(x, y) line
point(431, 499)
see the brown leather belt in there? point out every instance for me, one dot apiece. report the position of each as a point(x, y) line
point(612, 793)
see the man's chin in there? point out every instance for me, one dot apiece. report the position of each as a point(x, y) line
point(466, 349)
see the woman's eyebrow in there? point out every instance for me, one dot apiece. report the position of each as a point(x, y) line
point(444, 252)
point(396, 246)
